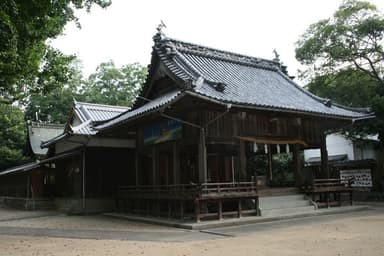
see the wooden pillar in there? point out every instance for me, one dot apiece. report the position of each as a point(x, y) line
point(239, 210)
point(243, 161)
point(270, 172)
point(154, 166)
point(324, 157)
point(202, 158)
point(28, 195)
point(220, 209)
point(197, 210)
point(83, 179)
point(176, 164)
point(181, 210)
point(297, 164)
point(137, 168)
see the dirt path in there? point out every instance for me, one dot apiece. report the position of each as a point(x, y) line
point(353, 235)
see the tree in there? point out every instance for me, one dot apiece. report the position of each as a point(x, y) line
point(12, 136)
point(114, 86)
point(344, 57)
point(53, 88)
point(24, 28)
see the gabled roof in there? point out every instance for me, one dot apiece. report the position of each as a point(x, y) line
point(151, 106)
point(87, 115)
point(38, 132)
point(228, 77)
point(90, 113)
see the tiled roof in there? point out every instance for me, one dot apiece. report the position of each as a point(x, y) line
point(151, 106)
point(244, 80)
point(232, 78)
point(90, 113)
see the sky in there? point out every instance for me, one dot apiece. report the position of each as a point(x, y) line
point(123, 32)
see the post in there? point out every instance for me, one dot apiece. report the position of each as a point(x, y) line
point(136, 168)
point(28, 195)
point(176, 164)
point(220, 209)
point(270, 163)
point(202, 157)
point(324, 157)
point(243, 161)
point(197, 210)
point(297, 164)
point(154, 167)
point(239, 208)
point(83, 187)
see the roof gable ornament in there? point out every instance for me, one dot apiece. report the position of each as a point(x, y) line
point(327, 102)
point(160, 34)
point(277, 56)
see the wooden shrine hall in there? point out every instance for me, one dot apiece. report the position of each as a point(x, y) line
point(206, 126)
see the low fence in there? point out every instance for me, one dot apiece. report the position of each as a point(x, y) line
point(190, 200)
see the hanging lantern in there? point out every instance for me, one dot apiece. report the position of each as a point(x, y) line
point(266, 148)
point(287, 148)
point(278, 148)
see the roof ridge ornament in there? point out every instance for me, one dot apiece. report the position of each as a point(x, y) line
point(277, 56)
point(160, 34)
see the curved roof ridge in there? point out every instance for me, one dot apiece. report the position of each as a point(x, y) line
point(99, 105)
point(216, 51)
point(320, 99)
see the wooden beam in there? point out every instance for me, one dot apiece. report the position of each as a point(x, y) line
point(274, 140)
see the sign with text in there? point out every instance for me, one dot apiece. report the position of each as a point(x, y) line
point(362, 178)
point(162, 131)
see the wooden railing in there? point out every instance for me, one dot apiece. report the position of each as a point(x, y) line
point(198, 194)
point(13, 191)
point(225, 190)
point(203, 191)
point(330, 192)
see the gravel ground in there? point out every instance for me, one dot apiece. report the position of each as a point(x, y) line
point(359, 233)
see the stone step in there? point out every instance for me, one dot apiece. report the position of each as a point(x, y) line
point(278, 202)
point(286, 211)
point(277, 191)
point(284, 204)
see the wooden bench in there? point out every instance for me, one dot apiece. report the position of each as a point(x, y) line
point(328, 192)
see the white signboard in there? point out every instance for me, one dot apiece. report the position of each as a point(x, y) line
point(362, 177)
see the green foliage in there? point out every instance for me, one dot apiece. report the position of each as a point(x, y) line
point(24, 28)
point(53, 88)
point(114, 86)
point(352, 38)
point(12, 136)
point(344, 59)
point(282, 169)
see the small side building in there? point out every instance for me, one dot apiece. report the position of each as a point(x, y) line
point(359, 158)
point(31, 180)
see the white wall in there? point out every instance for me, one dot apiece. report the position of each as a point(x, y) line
point(337, 144)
